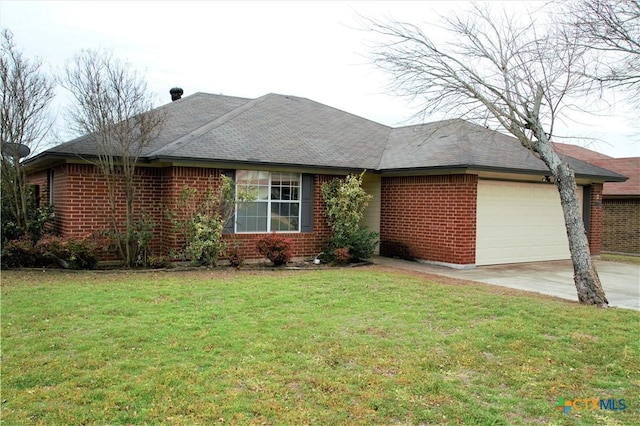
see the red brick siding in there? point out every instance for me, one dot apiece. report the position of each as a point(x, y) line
point(594, 232)
point(173, 181)
point(621, 225)
point(305, 244)
point(81, 201)
point(41, 179)
point(82, 206)
point(430, 217)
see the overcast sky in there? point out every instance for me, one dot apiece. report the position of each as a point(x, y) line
point(248, 49)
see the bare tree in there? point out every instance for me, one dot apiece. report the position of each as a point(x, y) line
point(610, 29)
point(501, 72)
point(24, 122)
point(114, 110)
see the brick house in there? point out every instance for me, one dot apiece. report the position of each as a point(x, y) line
point(448, 192)
point(620, 200)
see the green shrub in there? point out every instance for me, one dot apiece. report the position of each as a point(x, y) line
point(140, 237)
point(158, 262)
point(204, 245)
point(277, 249)
point(201, 219)
point(346, 202)
point(36, 217)
point(362, 244)
point(82, 254)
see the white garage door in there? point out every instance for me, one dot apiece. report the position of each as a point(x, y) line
point(519, 222)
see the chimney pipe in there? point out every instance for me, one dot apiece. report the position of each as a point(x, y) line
point(176, 93)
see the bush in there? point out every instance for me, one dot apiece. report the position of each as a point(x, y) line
point(235, 256)
point(342, 255)
point(36, 217)
point(51, 250)
point(205, 244)
point(82, 254)
point(277, 249)
point(140, 236)
point(19, 253)
point(202, 218)
point(68, 252)
point(396, 249)
point(361, 244)
point(346, 201)
point(157, 262)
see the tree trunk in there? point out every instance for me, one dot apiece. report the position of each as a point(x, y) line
point(586, 278)
point(23, 194)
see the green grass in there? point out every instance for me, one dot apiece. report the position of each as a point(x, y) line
point(634, 260)
point(339, 346)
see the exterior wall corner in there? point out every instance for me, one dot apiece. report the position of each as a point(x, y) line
point(594, 233)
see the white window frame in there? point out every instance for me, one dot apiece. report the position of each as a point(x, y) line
point(269, 202)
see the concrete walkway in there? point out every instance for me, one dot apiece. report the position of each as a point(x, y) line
point(621, 281)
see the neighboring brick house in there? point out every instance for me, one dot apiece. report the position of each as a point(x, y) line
point(448, 192)
point(620, 200)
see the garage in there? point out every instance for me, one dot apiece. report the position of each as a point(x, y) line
point(519, 222)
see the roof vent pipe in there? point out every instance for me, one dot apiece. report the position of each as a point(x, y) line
point(176, 93)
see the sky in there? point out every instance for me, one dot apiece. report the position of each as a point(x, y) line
point(315, 50)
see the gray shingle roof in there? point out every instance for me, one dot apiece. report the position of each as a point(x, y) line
point(285, 129)
point(183, 116)
point(459, 144)
point(278, 129)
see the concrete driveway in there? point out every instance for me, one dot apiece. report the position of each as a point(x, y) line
point(621, 281)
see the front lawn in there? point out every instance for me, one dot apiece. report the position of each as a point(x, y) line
point(338, 346)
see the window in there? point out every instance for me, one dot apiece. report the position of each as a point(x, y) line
point(34, 195)
point(277, 203)
point(51, 187)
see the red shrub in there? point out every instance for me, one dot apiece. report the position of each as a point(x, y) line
point(277, 249)
point(342, 255)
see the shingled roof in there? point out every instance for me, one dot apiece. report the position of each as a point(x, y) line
point(182, 118)
point(580, 152)
point(288, 130)
point(460, 144)
point(629, 166)
point(278, 129)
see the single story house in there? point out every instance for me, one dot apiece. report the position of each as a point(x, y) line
point(620, 200)
point(448, 192)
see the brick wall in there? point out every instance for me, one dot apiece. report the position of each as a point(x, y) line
point(594, 232)
point(41, 180)
point(429, 218)
point(173, 181)
point(305, 244)
point(81, 206)
point(621, 225)
point(81, 201)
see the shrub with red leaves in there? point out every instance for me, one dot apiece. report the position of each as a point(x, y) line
point(342, 255)
point(277, 249)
